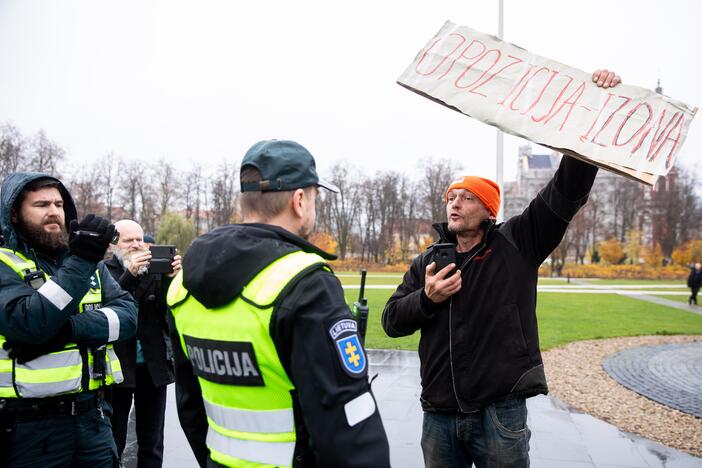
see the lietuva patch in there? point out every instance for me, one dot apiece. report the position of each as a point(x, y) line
point(225, 362)
point(344, 334)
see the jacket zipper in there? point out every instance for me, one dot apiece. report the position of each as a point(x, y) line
point(453, 380)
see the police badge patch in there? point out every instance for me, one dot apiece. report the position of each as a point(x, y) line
point(348, 346)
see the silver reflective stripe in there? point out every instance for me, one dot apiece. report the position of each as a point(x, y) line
point(55, 294)
point(112, 357)
point(268, 453)
point(52, 361)
point(41, 390)
point(112, 324)
point(14, 258)
point(269, 422)
point(5, 379)
point(360, 408)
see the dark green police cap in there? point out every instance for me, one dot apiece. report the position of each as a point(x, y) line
point(284, 165)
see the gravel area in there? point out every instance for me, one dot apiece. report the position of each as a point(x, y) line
point(575, 376)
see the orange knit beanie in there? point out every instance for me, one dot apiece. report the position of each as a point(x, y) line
point(486, 190)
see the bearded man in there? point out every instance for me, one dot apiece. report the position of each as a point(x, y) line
point(60, 310)
point(147, 359)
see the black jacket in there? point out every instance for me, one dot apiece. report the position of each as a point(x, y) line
point(695, 279)
point(216, 268)
point(152, 326)
point(482, 344)
point(29, 317)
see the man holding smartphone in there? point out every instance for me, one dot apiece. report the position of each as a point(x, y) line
point(147, 358)
point(479, 342)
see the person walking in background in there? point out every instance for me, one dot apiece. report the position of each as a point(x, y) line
point(147, 358)
point(694, 281)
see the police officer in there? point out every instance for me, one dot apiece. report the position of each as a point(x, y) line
point(59, 310)
point(266, 348)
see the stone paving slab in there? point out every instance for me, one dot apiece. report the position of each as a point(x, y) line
point(670, 374)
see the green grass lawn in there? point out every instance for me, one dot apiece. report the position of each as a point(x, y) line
point(552, 281)
point(572, 317)
point(627, 281)
point(562, 317)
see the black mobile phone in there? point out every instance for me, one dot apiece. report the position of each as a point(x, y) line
point(161, 258)
point(444, 254)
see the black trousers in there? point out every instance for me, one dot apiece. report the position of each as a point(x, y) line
point(150, 408)
point(693, 296)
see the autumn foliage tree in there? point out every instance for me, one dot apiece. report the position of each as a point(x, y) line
point(324, 241)
point(611, 251)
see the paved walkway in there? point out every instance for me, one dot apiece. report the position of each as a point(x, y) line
point(666, 302)
point(670, 374)
point(560, 438)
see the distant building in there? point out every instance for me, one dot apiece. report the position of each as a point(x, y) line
point(533, 172)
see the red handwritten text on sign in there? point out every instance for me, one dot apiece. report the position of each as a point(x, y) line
point(549, 102)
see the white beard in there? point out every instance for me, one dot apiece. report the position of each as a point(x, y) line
point(125, 259)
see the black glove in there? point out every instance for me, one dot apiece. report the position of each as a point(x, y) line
point(90, 238)
point(24, 352)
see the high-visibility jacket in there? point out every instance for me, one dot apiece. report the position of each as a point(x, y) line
point(245, 388)
point(59, 372)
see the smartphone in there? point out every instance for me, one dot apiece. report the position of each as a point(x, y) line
point(161, 258)
point(444, 254)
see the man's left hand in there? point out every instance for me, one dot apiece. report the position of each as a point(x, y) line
point(176, 265)
point(606, 78)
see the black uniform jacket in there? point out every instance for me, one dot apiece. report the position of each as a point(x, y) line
point(29, 317)
point(152, 326)
point(216, 268)
point(482, 345)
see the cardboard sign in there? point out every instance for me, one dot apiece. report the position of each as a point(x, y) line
point(626, 129)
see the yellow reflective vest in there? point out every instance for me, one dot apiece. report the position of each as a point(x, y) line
point(59, 372)
point(245, 388)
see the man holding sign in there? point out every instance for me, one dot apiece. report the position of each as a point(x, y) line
point(479, 345)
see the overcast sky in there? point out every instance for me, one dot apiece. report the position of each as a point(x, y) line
point(204, 80)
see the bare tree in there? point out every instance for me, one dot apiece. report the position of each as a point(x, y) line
point(45, 155)
point(593, 211)
point(85, 190)
point(224, 199)
point(148, 213)
point(345, 206)
point(438, 175)
point(168, 184)
point(12, 150)
point(369, 237)
point(130, 181)
point(108, 167)
point(579, 229)
point(407, 225)
point(192, 196)
point(675, 210)
point(626, 200)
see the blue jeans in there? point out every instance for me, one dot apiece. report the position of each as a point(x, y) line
point(496, 436)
